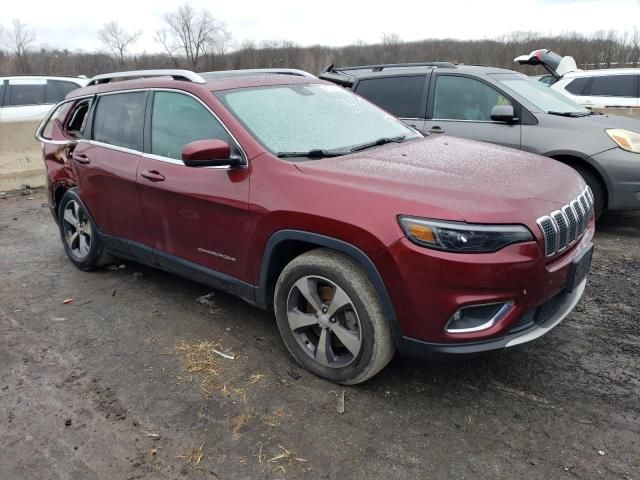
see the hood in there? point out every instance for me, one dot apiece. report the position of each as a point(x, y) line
point(480, 182)
point(552, 62)
point(613, 121)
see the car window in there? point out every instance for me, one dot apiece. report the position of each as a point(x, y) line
point(56, 90)
point(578, 85)
point(119, 119)
point(463, 98)
point(21, 94)
point(78, 118)
point(178, 119)
point(304, 117)
point(400, 96)
point(615, 86)
point(1, 91)
point(56, 119)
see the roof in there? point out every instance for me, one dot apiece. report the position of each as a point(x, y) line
point(602, 71)
point(225, 83)
point(348, 75)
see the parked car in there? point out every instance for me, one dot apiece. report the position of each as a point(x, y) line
point(508, 108)
point(363, 235)
point(611, 87)
point(29, 98)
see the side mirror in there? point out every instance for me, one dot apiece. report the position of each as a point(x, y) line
point(209, 153)
point(503, 113)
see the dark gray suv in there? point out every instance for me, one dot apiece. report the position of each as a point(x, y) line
point(506, 107)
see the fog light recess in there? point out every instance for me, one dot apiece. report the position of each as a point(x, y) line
point(476, 318)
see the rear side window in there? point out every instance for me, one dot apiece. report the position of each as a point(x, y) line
point(119, 119)
point(78, 118)
point(25, 94)
point(401, 96)
point(56, 90)
point(178, 119)
point(615, 86)
point(1, 91)
point(578, 85)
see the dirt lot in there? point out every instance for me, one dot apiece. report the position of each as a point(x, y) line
point(117, 384)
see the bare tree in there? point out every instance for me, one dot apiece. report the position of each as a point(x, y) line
point(20, 40)
point(116, 39)
point(190, 33)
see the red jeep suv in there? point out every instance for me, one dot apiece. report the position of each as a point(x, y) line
point(362, 234)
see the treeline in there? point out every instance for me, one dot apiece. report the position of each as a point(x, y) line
point(196, 40)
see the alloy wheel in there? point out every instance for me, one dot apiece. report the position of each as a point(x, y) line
point(324, 321)
point(77, 230)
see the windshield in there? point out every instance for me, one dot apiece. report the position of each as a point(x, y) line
point(311, 118)
point(543, 97)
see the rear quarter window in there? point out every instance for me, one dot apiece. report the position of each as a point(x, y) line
point(119, 119)
point(1, 92)
point(401, 96)
point(54, 125)
point(615, 86)
point(578, 85)
point(56, 90)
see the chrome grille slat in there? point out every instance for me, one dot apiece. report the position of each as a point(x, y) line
point(563, 227)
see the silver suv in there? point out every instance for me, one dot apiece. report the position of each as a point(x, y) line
point(508, 108)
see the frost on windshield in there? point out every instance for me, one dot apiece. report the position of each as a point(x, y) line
point(299, 118)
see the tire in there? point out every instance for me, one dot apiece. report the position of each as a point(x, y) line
point(85, 250)
point(323, 298)
point(596, 188)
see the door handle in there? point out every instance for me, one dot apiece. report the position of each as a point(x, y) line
point(436, 129)
point(153, 175)
point(81, 158)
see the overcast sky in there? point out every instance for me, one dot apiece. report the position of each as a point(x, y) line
point(73, 25)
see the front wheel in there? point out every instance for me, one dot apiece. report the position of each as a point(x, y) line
point(331, 319)
point(79, 234)
point(596, 188)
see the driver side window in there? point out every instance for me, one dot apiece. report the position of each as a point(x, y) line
point(177, 120)
point(462, 98)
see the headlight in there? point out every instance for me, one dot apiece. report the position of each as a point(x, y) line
point(625, 139)
point(462, 237)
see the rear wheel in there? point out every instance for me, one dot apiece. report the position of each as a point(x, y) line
point(596, 188)
point(79, 234)
point(331, 319)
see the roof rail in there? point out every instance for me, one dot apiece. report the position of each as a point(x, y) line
point(185, 75)
point(382, 66)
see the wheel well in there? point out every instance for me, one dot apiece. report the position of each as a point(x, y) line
point(580, 163)
point(57, 196)
point(282, 254)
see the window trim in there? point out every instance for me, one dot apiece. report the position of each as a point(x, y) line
point(593, 79)
point(422, 108)
point(520, 111)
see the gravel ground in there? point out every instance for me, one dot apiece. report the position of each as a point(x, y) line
point(118, 383)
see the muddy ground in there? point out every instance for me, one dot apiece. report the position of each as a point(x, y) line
point(114, 386)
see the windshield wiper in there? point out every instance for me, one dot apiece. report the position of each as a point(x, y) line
point(569, 114)
point(314, 153)
point(378, 142)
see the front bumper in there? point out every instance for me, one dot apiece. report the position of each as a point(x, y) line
point(427, 287)
point(623, 178)
point(417, 348)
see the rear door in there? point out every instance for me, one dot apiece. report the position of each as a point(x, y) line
point(403, 96)
point(194, 215)
point(461, 105)
point(106, 163)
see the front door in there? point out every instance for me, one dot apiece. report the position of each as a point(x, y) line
point(105, 163)
point(461, 107)
point(195, 215)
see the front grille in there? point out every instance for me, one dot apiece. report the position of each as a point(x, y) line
point(540, 315)
point(564, 227)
